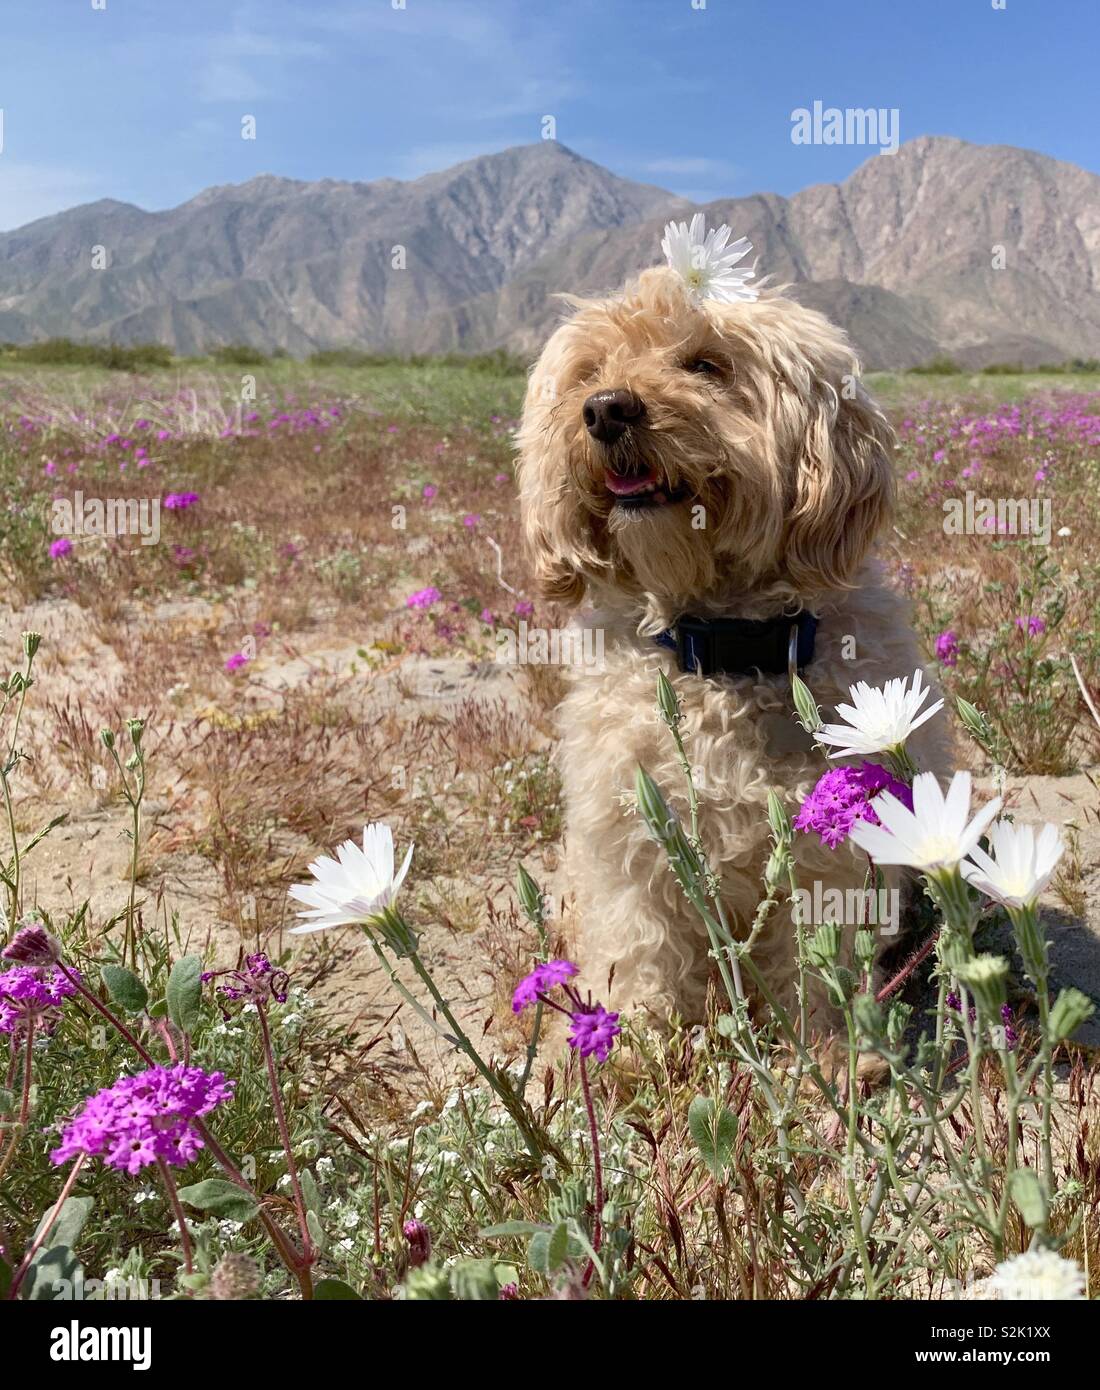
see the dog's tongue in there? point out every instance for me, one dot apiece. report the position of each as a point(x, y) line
point(626, 485)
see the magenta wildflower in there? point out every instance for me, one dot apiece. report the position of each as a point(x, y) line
point(59, 547)
point(594, 1032)
point(1034, 627)
point(524, 608)
point(843, 796)
point(423, 598)
point(1008, 1020)
point(429, 491)
point(180, 501)
point(32, 945)
point(31, 996)
point(236, 661)
point(143, 1118)
point(420, 1243)
point(947, 648)
point(471, 519)
point(259, 981)
point(545, 976)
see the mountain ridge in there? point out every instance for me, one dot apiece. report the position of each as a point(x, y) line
point(903, 254)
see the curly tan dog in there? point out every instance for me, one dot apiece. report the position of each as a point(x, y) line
point(684, 464)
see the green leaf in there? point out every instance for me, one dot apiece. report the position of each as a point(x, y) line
point(310, 1192)
point(184, 993)
point(559, 1245)
point(125, 988)
point(512, 1228)
point(538, 1252)
point(1027, 1193)
point(158, 1008)
point(48, 1269)
point(333, 1290)
point(714, 1132)
point(66, 1229)
point(220, 1198)
point(316, 1231)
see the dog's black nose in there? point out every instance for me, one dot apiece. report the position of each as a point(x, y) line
point(607, 413)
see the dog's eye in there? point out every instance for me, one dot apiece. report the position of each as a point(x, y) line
point(702, 366)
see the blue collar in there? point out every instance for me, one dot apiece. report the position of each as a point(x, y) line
point(740, 646)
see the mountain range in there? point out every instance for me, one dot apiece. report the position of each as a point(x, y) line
point(983, 253)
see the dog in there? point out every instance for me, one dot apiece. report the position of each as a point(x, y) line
point(707, 479)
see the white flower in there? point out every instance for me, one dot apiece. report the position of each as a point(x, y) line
point(878, 719)
point(934, 834)
point(1021, 866)
point(705, 263)
point(355, 885)
point(1039, 1274)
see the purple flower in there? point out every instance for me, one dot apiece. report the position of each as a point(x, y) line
point(180, 501)
point(32, 995)
point(524, 608)
point(236, 661)
point(594, 1032)
point(947, 648)
point(420, 1243)
point(429, 491)
point(143, 1118)
point(32, 945)
point(488, 616)
point(1008, 1019)
point(545, 977)
point(843, 796)
point(471, 519)
point(259, 980)
point(423, 598)
point(1034, 627)
point(62, 546)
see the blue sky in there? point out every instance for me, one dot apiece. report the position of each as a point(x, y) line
point(143, 100)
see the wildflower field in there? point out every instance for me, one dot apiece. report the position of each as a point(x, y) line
point(298, 642)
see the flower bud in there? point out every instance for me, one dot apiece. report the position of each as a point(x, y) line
point(868, 1015)
point(897, 1020)
point(809, 716)
point(420, 1243)
point(865, 949)
point(1071, 1009)
point(823, 948)
point(31, 643)
point(668, 706)
point(33, 945)
point(136, 728)
point(108, 738)
point(651, 804)
point(529, 896)
point(986, 977)
point(778, 818)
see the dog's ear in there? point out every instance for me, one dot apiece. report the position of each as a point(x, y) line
point(555, 578)
point(843, 487)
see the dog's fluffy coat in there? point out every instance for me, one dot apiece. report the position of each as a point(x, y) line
point(755, 412)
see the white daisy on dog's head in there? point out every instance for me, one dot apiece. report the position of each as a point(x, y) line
point(706, 263)
point(353, 887)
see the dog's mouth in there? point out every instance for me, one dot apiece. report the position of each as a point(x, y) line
point(640, 487)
